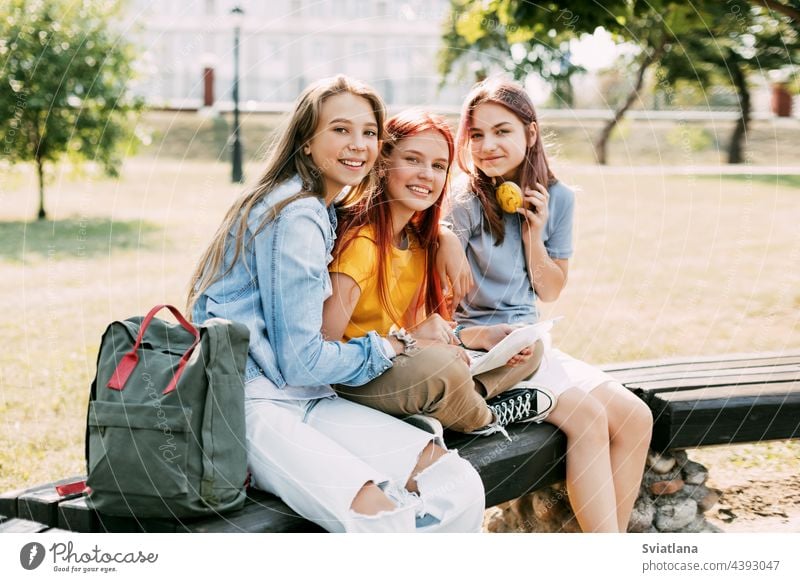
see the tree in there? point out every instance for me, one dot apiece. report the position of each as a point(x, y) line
point(744, 42)
point(789, 8)
point(539, 32)
point(518, 37)
point(495, 27)
point(63, 80)
point(653, 29)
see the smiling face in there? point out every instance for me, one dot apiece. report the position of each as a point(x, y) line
point(345, 142)
point(498, 140)
point(417, 171)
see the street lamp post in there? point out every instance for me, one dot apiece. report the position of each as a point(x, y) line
point(237, 173)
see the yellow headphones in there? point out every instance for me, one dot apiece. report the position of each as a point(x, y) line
point(509, 196)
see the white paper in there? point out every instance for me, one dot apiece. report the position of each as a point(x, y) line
point(513, 343)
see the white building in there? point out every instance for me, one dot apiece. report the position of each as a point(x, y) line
point(285, 45)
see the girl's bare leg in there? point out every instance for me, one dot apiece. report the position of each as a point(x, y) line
point(590, 483)
point(427, 457)
point(370, 500)
point(630, 425)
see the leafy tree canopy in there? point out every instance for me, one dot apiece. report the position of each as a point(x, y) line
point(63, 78)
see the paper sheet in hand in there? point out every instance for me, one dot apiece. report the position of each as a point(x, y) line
point(514, 342)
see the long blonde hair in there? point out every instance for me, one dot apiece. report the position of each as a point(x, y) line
point(286, 159)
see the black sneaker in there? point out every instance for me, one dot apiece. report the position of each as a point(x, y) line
point(526, 402)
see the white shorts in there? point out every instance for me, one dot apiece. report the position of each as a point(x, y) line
point(560, 371)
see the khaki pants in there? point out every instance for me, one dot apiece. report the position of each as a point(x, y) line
point(436, 382)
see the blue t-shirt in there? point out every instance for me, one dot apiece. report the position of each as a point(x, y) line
point(503, 292)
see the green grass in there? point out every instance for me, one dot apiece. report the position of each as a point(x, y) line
point(71, 237)
point(664, 266)
point(782, 180)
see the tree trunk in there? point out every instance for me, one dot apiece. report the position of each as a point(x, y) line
point(40, 169)
point(601, 145)
point(736, 146)
point(789, 11)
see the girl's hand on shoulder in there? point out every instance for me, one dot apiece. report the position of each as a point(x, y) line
point(535, 209)
point(435, 328)
point(453, 268)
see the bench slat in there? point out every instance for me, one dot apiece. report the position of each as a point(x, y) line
point(786, 390)
point(692, 423)
point(651, 375)
point(18, 525)
point(262, 513)
point(785, 379)
point(9, 505)
point(41, 503)
point(8, 502)
point(728, 361)
point(117, 524)
point(533, 459)
point(75, 515)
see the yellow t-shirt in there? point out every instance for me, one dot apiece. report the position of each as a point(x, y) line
point(406, 270)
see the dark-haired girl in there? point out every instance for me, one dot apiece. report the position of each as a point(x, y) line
point(519, 257)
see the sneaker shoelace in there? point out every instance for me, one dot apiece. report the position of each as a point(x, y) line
point(513, 410)
point(491, 429)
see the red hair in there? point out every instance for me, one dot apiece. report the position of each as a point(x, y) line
point(534, 168)
point(375, 211)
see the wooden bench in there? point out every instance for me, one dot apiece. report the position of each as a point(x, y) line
point(695, 402)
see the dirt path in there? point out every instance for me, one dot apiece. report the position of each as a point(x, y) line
point(758, 506)
point(760, 486)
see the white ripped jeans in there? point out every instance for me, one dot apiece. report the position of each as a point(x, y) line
point(316, 455)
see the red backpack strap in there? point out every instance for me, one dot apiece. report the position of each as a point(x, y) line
point(128, 362)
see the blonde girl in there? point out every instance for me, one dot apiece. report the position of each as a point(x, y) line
point(344, 466)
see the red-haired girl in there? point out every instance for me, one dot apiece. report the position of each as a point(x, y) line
point(383, 278)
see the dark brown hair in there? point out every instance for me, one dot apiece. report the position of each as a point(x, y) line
point(534, 167)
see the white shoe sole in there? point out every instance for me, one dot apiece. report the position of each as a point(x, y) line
point(545, 400)
point(428, 424)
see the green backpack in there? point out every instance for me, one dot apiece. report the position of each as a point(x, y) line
point(165, 432)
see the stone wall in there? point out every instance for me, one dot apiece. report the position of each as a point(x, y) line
point(673, 498)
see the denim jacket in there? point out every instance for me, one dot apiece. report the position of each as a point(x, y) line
point(277, 288)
